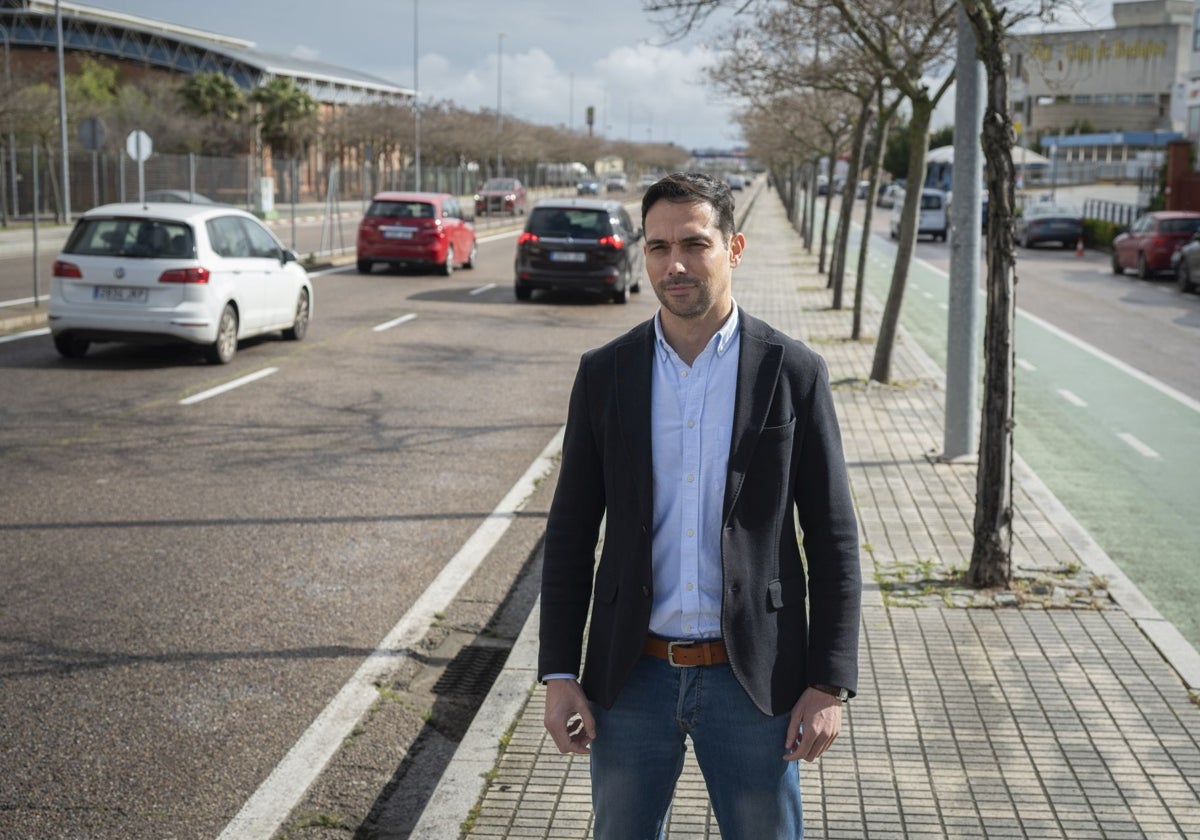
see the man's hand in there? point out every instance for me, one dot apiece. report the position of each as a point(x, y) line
point(816, 722)
point(569, 717)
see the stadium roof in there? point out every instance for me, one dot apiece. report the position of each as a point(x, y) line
point(183, 49)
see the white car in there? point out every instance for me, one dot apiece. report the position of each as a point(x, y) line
point(931, 216)
point(200, 274)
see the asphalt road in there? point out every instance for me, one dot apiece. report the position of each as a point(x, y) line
point(187, 585)
point(1107, 401)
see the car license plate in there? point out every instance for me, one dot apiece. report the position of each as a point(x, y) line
point(397, 233)
point(120, 294)
point(568, 256)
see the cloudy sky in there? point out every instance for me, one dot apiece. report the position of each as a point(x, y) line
point(555, 57)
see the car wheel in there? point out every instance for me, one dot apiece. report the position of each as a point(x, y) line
point(523, 292)
point(1143, 270)
point(221, 351)
point(71, 347)
point(1025, 243)
point(894, 234)
point(299, 327)
point(474, 255)
point(364, 266)
point(1116, 264)
point(1182, 275)
point(621, 295)
point(448, 265)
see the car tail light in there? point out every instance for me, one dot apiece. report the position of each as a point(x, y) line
point(615, 242)
point(527, 237)
point(66, 269)
point(199, 274)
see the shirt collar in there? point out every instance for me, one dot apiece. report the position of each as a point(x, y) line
point(724, 336)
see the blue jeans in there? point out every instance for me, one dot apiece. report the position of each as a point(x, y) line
point(637, 756)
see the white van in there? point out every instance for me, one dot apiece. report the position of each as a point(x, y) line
point(932, 222)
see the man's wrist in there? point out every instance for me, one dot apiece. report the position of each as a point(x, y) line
point(842, 694)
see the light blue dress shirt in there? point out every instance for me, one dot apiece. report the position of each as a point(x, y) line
point(691, 425)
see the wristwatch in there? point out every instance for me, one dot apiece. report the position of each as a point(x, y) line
point(842, 694)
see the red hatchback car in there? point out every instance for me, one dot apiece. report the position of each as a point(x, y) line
point(416, 229)
point(1149, 244)
point(500, 195)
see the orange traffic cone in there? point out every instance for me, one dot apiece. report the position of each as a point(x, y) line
point(1079, 247)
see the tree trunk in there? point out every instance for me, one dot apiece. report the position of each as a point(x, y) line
point(880, 141)
point(991, 555)
point(837, 272)
point(833, 149)
point(922, 113)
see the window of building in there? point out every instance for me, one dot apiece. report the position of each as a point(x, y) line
point(1194, 120)
point(1146, 98)
point(1124, 99)
point(1196, 32)
point(1103, 99)
point(1082, 99)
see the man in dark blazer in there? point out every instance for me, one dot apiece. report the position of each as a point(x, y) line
point(699, 439)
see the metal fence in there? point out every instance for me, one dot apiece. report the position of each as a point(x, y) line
point(105, 177)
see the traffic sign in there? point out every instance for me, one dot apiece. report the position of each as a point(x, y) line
point(138, 145)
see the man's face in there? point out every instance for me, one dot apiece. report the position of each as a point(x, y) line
point(687, 261)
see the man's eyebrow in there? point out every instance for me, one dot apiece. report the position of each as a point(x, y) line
point(698, 239)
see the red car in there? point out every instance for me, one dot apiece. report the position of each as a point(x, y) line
point(500, 195)
point(415, 229)
point(1149, 245)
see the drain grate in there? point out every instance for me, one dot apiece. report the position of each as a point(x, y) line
point(472, 671)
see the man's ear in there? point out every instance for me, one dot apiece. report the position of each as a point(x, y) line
point(737, 244)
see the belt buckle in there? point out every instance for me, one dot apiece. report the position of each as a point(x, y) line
point(671, 652)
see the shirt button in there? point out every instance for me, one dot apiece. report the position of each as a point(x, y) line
point(690, 532)
point(691, 424)
point(683, 373)
point(687, 627)
point(689, 587)
point(691, 478)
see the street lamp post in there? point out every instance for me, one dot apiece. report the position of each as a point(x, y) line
point(62, 117)
point(499, 112)
point(12, 143)
point(416, 101)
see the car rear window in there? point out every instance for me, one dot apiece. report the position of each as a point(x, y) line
point(402, 209)
point(131, 237)
point(569, 222)
point(931, 202)
point(1179, 225)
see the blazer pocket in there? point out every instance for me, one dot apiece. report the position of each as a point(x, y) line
point(779, 432)
point(784, 593)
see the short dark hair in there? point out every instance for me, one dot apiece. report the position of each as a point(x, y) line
point(689, 187)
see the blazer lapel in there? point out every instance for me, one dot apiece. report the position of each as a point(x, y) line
point(632, 375)
point(758, 371)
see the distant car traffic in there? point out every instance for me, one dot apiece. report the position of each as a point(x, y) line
point(886, 196)
point(1152, 240)
point(932, 218)
point(500, 195)
point(588, 186)
point(736, 182)
point(647, 181)
point(579, 244)
point(863, 188)
point(415, 229)
point(616, 183)
point(205, 275)
point(1040, 223)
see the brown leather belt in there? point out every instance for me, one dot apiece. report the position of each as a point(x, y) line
point(686, 653)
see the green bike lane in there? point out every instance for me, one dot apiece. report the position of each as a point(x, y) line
point(1118, 449)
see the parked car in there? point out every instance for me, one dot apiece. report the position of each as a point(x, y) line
point(500, 195)
point(616, 183)
point(1153, 238)
point(863, 188)
point(1187, 264)
point(1040, 223)
point(736, 182)
point(647, 181)
point(822, 185)
point(199, 274)
point(583, 244)
point(932, 220)
point(588, 186)
point(416, 230)
point(887, 195)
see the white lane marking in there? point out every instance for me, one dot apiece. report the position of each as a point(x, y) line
point(1139, 447)
point(265, 811)
point(1071, 398)
point(1026, 365)
point(23, 301)
point(229, 386)
point(395, 322)
point(927, 295)
point(483, 289)
point(1124, 367)
point(944, 307)
point(27, 334)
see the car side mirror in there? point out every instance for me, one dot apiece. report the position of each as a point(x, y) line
point(288, 256)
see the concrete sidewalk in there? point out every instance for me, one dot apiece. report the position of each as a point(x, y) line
point(1066, 708)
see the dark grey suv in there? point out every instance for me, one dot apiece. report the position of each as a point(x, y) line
point(579, 244)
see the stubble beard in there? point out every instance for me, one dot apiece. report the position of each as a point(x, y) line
point(686, 309)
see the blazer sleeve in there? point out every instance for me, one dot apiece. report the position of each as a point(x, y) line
point(830, 533)
point(572, 531)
